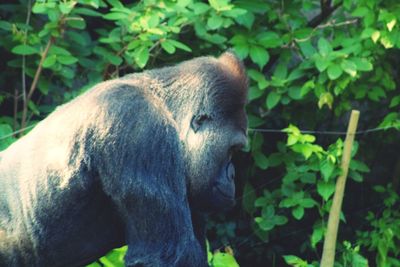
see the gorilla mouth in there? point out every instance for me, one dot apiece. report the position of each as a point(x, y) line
point(223, 187)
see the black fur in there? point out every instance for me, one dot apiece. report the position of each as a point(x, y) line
point(122, 164)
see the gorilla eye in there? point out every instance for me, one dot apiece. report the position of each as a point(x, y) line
point(198, 120)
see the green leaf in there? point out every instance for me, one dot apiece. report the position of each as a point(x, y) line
point(39, 8)
point(326, 168)
point(359, 261)
point(307, 87)
point(5, 135)
point(255, 121)
point(349, 67)
point(24, 50)
point(259, 78)
point(254, 93)
point(115, 3)
point(200, 8)
point(307, 49)
point(358, 166)
point(214, 22)
point(67, 73)
point(269, 40)
point(5, 25)
point(168, 47)
point(295, 261)
point(356, 176)
point(246, 20)
point(361, 11)
point(256, 142)
point(292, 139)
point(362, 64)
point(114, 59)
point(387, 42)
point(259, 56)
point(77, 23)
point(308, 203)
point(87, 12)
point(324, 47)
point(325, 99)
point(280, 71)
point(317, 236)
point(325, 189)
point(67, 60)
point(295, 92)
point(298, 212)
point(375, 36)
point(280, 220)
point(59, 51)
point(379, 188)
point(275, 159)
point(376, 94)
point(115, 16)
point(265, 225)
point(49, 61)
point(391, 24)
point(395, 101)
point(66, 7)
point(308, 178)
point(367, 33)
point(242, 50)
point(334, 71)
point(142, 56)
point(180, 45)
point(288, 202)
point(321, 63)
point(261, 160)
point(221, 259)
point(272, 99)
point(305, 149)
point(220, 5)
point(234, 12)
point(32, 106)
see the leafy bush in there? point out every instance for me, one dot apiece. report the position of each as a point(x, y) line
point(309, 63)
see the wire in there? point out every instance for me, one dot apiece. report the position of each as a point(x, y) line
point(321, 132)
point(258, 130)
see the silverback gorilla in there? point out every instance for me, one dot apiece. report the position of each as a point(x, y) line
point(136, 160)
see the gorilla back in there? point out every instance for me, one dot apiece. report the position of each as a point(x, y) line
point(134, 161)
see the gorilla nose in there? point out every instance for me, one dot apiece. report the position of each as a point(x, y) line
point(230, 170)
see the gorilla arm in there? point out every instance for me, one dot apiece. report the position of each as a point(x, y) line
point(142, 171)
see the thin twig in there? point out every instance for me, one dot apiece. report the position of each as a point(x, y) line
point(330, 24)
point(27, 21)
point(35, 81)
point(15, 109)
point(17, 132)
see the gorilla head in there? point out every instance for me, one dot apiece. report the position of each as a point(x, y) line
point(217, 129)
point(207, 98)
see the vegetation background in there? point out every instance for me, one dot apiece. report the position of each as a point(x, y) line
point(309, 63)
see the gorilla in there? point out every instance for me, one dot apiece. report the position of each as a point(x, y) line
point(136, 160)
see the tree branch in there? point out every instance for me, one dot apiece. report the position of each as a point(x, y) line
point(326, 11)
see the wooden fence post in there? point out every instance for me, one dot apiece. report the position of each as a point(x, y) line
point(329, 250)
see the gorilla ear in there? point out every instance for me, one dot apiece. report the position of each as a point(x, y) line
point(234, 67)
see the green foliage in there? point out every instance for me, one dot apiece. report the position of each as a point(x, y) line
point(114, 258)
point(384, 237)
point(223, 259)
point(308, 66)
